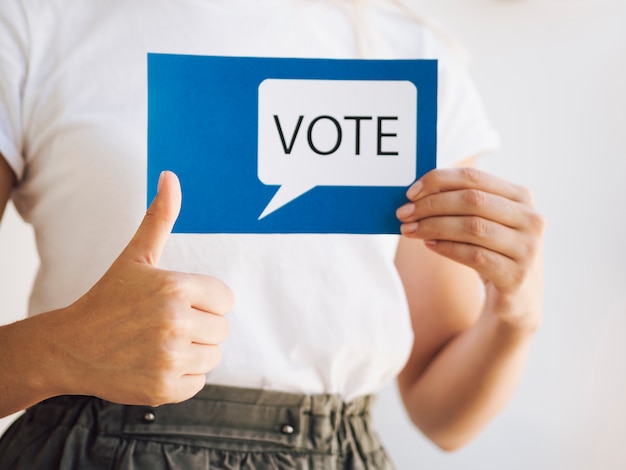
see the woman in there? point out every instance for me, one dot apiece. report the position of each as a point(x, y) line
point(319, 323)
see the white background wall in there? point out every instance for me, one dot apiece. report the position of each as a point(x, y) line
point(553, 77)
point(552, 74)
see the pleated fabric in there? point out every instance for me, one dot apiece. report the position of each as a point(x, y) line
point(220, 428)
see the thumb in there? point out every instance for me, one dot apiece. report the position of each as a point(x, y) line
point(147, 244)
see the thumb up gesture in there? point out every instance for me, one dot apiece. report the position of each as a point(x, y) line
point(142, 335)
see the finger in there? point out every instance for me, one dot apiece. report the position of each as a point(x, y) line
point(502, 271)
point(207, 328)
point(451, 179)
point(472, 231)
point(202, 358)
point(466, 202)
point(189, 378)
point(208, 294)
point(188, 386)
point(147, 244)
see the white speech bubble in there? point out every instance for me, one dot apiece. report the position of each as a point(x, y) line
point(335, 133)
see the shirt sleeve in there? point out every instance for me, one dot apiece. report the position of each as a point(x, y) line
point(463, 128)
point(13, 70)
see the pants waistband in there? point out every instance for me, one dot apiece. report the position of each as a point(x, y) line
point(226, 414)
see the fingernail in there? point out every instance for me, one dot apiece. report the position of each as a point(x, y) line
point(414, 190)
point(409, 228)
point(405, 211)
point(160, 181)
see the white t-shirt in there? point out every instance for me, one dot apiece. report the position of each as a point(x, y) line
point(314, 313)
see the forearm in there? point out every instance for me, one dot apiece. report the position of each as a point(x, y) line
point(468, 382)
point(27, 364)
point(461, 372)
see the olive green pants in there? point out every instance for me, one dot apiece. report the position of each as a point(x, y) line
point(220, 428)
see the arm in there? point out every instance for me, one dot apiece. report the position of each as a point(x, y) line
point(469, 352)
point(141, 335)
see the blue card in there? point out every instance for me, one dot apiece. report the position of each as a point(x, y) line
point(272, 145)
